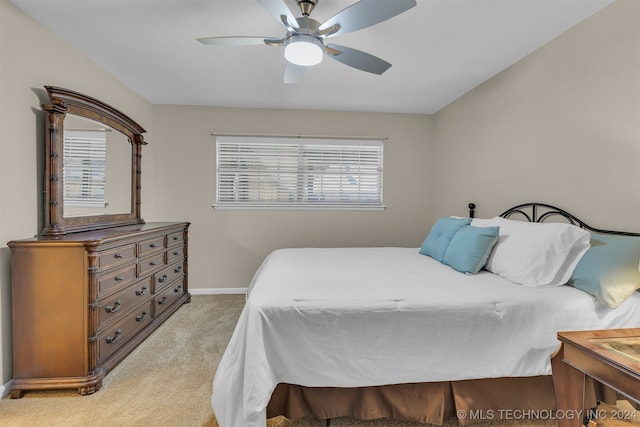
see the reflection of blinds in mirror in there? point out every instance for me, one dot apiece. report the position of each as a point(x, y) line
point(84, 168)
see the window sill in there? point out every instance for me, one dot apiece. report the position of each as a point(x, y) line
point(298, 208)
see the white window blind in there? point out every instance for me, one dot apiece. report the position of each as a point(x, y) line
point(288, 172)
point(84, 167)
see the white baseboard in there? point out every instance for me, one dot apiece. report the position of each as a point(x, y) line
point(218, 291)
point(4, 389)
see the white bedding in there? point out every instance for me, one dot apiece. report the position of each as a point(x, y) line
point(348, 317)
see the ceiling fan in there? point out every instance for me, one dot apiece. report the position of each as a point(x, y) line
point(304, 41)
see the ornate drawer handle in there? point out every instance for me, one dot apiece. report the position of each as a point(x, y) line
point(162, 278)
point(141, 317)
point(141, 291)
point(177, 269)
point(114, 339)
point(152, 263)
point(152, 245)
point(175, 253)
point(118, 255)
point(177, 289)
point(115, 307)
point(162, 301)
point(175, 237)
point(119, 278)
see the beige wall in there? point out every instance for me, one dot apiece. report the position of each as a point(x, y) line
point(561, 126)
point(31, 57)
point(226, 247)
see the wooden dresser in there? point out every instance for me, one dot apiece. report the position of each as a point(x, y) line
point(83, 301)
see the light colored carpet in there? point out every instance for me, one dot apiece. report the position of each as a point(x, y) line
point(167, 381)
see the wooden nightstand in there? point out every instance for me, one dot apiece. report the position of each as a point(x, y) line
point(610, 356)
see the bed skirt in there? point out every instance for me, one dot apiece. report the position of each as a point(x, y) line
point(469, 401)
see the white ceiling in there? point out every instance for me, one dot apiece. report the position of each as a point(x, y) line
point(440, 49)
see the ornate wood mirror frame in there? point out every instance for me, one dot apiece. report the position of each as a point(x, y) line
point(64, 102)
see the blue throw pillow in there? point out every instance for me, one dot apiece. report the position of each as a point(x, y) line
point(470, 248)
point(440, 235)
point(609, 268)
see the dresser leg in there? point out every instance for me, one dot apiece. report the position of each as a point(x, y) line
point(84, 391)
point(17, 394)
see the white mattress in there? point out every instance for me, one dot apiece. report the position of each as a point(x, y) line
point(348, 317)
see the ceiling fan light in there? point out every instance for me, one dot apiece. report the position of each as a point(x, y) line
point(304, 50)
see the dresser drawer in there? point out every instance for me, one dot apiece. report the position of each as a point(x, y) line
point(116, 280)
point(115, 307)
point(176, 238)
point(174, 254)
point(168, 295)
point(167, 275)
point(149, 246)
point(150, 264)
point(116, 256)
point(121, 332)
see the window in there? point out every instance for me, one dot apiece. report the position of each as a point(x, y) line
point(84, 168)
point(289, 172)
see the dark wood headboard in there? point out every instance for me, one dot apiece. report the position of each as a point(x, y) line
point(540, 212)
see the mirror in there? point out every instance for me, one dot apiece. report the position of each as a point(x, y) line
point(92, 158)
point(96, 169)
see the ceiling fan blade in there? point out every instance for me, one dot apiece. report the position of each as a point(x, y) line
point(240, 40)
point(278, 9)
point(293, 73)
point(364, 14)
point(357, 59)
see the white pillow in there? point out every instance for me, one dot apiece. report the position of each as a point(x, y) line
point(536, 254)
point(482, 222)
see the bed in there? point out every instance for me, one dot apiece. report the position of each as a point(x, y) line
point(401, 333)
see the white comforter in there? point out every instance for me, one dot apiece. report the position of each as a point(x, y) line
point(371, 316)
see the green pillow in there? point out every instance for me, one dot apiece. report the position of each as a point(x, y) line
point(437, 241)
point(470, 248)
point(609, 269)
